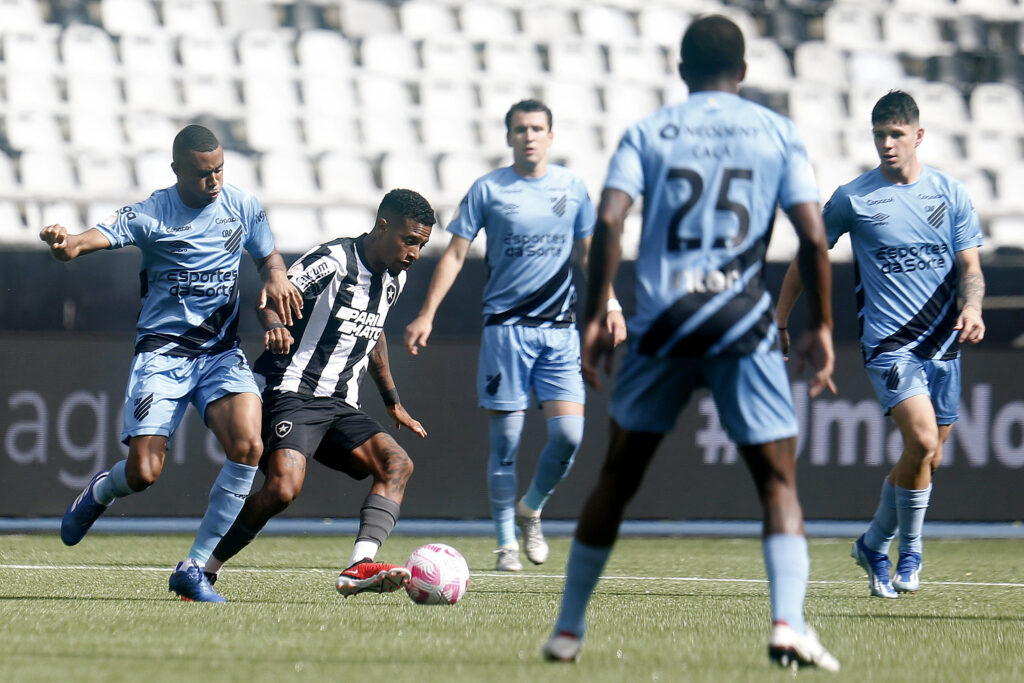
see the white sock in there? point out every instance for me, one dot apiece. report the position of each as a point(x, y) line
point(363, 550)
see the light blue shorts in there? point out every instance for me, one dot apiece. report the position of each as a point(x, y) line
point(515, 359)
point(751, 393)
point(161, 387)
point(898, 375)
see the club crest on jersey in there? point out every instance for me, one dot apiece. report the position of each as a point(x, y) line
point(558, 205)
point(282, 428)
point(391, 292)
point(234, 240)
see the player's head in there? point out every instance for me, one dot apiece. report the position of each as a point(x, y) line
point(198, 164)
point(711, 54)
point(896, 129)
point(528, 133)
point(403, 225)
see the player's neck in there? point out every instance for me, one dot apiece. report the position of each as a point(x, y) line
point(905, 175)
point(529, 170)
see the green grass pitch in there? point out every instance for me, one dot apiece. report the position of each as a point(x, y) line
point(667, 610)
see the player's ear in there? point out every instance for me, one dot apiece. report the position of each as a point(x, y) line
point(919, 136)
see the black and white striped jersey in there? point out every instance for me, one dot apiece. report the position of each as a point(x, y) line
point(344, 307)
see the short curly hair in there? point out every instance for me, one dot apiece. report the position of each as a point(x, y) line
point(193, 138)
point(408, 204)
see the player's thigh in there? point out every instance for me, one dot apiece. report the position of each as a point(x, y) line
point(915, 417)
point(650, 391)
point(285, 471)
point(226, 393)
point(157, 395)
point(295, 422)
point(944, 386)
point(357, 445)
point(557, 372)
point(503, 372)
point(896, 377)
point(752, 396)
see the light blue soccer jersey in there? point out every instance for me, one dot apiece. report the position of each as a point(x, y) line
point(531, 225)
point(190, 261)
point(905, 239)
point(711, 171)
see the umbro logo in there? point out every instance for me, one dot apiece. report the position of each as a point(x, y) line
point(559, 206)
point(880, 218)
point(282, 428)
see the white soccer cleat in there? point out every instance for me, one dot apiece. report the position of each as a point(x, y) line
point(533, 538)
point(790, 649)
point(562, 647)
point(508, 560)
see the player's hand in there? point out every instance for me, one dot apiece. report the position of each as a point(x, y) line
point(283, 295)
point(417, 332)
point(615, 324)
point(398, 414)
point(814, 347)
point(970, 324)
point(598, 344)
point(56, 237)
point(784, 341)
point(278, 340)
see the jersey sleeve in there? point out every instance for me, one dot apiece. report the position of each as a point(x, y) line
point(469, 217)
point(586, 216)
point(626, 168)
point(798, 185)
point(128, 225)
point(313, 272)
point(966, 225)
point(259, 240)
point(836, 215)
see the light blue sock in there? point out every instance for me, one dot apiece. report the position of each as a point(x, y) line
point(565, 432)
point(226, 499)
point(788, 567)
point(506, 430)
point(114, 486)
point(911, 506)
point(586, 562)
point(883, 525)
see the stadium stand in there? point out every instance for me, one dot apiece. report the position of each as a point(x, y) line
point(322, 104)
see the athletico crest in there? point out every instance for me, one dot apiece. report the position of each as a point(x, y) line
point(282, 428)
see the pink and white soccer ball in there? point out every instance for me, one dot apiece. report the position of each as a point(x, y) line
point(440, 575)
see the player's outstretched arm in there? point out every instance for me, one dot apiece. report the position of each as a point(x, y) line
point(815, 344)
point(65, 247)
point(380, 371)
point(971, 293)
point(277, 290)
point(603, 326)
point(448, 268)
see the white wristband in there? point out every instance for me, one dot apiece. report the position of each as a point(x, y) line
point(612, 305)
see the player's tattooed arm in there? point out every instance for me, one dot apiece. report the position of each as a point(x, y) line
point(972, 290)
point(970, 294)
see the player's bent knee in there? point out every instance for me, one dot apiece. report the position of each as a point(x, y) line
point(246, 451)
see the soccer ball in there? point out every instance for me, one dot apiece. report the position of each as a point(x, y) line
point(440, 575)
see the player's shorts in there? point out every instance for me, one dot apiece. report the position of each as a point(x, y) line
point(515, 359)
point(324, 428)
point(751, 393)
point(898, 375)
point(160, 387)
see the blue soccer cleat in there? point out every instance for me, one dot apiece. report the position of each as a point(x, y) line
point(190, 582)
point(877, 566)
point(81, 514)
point(908, 573)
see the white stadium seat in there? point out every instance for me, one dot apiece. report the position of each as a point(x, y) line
point(347, 178)
point(32, 51)
point(997, 105)
point(149, 130)
point(152, 92)
point(992, 148)
point(26, 90)
point(511, 59)
point(326, 132)
point(820, 62)
point(129, 17)
point(189, 17)
point(249, 15)
point(323, 51)
point(240, 170)
point(606, 24)
point(346, 221)
point(296, 228)
point(286, 176)
point(426, 18)
point(103, 174)
point(852, 26)
point(448, 132)
point(92, 128)
point(364, 17)
point(390, 54)
point(768, 66)
point(153, 169)
point(383, 132)
point(45, 173)
point(402, 168)
point(88, 49)
point(942, 105)
point(481, 20)
point(449, 56)
point(571, 100)
point(147, 53)
point(20, 15)
point(208, 54)
point(267, 52)
point(663, 25)
point(547, 22)
point(576, 59)
point(633, 61)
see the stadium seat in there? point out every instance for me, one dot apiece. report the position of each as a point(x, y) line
point(269, 130)
point(992, 148)
point(211, 94)
point(383, 94)
point(267, 52)
point(85, 90)
point(497, 95)
point(819, 62)
point(626, 103)
point(326, 132)
point(481, 20)
point(815, 105)
point(286, 176)
point(153, 169)
point(249, 15)
point(149, 130)
point(27, 90)
point(546, 22)
point(449, 56)
point(997, 105)
point(91, 128)
point(1006, 231)
point(387, 132)
point(741, 18)
point(32, 51)
point(634, 61)
point(40, 214)
point(1009, 181)
point(129, 17)
point(663, 25)
point(448, 132)
point(20, 15)
point(940, 149)
point(593, 169)
point(456, 173)
point(898, 23)
point(511, 58)
point(365, 17)
point(147, 53)
point(861, 99)
point(632, 230)
point(606, 24)
point(271, 92)
point(88, 49)
point(442, 95)
point(151, 92)
point(190, 17)
point(296, 228)
point(326, 93)
point(426, 18)
point(103, 174)
point(402, 168)
point(852, 27)
point(389, 54)
point(784, 243)
point(992, 10)
point(240, 170)
point(576, 59)
point(323, 51)
point(831, 173)
point(875, 67)
point(572, 100)
point(942, 105)
point(768, 67)
point(347, 178)
point(47, 174)
point(13, 229)
point(347, 221)
point(979, 187)
point(208, 54)
point(858, 144)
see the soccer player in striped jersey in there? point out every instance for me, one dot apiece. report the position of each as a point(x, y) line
point(535, 214)
point(915, 238)
point(313, 371)
point(711, 171)
point(191, 236)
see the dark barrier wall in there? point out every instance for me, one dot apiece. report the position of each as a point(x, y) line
point(61, 396)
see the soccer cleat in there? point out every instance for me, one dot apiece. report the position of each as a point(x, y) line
point(189, 581)
point(788, 649)
point(533, 539)
point(877, 566)
point(508, 560)
point(367, 576)
point(908, 573)
point(564, 646)
point(81, 514)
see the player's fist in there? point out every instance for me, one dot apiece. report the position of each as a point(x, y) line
point(56, 237)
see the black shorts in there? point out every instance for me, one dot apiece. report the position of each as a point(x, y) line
point(326, 429)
